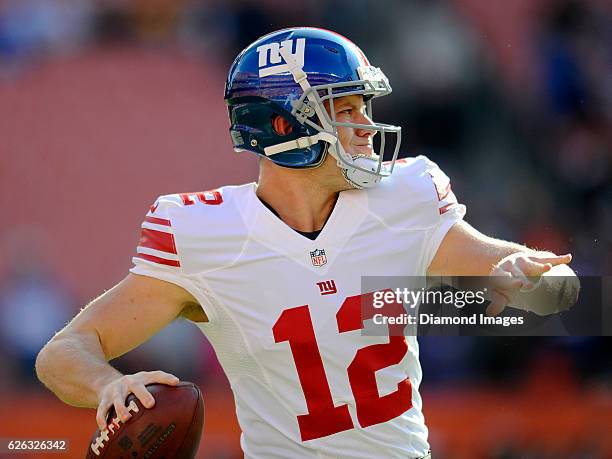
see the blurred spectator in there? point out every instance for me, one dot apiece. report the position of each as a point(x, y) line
point(210, 28)
point(574, 145)
point(36, 27)
point(575, 57)
point(156, 21)
point(112, 23)
point(438, 62)
point(34, 304)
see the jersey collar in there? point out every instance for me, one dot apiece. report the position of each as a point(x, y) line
point(267, 229)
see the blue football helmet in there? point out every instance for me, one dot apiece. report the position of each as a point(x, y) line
point(291, 73)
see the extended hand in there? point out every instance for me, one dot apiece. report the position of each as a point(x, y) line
point(519, 271)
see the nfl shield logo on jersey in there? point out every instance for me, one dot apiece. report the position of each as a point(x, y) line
point(318, 257)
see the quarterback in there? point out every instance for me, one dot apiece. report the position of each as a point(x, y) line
point(271, 271)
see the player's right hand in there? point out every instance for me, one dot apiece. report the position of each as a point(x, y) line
point(115, 393)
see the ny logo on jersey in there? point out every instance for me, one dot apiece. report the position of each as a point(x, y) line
point(270, 57)
point(327, 287)
point(318, 257)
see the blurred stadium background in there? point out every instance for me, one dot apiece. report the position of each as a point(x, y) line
point(106, 104)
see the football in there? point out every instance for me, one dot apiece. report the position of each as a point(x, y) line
point(171, 429)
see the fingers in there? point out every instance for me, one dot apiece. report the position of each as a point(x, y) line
point(505, 280)
point(161, 377)
point(525, 267)
point(502, 283)
point(519, 271)
point(116, 393)
point(103, 408)
point(119, 403)
point(519, 274)
point(113, 397)
point(533, 268)
point(554, 260)
point(145, 397)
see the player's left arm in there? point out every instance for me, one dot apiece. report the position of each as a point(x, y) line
point(537, 281)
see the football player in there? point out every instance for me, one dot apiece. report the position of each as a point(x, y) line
point(271, 271)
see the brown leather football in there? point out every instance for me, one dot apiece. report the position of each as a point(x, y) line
point(170, 430)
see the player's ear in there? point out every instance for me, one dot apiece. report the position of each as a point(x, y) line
point(281, 126)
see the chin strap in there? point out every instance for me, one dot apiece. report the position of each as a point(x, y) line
point(360, 179)
point(302, 142)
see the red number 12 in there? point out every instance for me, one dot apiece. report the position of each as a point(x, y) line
point(323, 418)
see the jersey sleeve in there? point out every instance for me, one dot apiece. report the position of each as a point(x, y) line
point(449, 210)
point(157, 254)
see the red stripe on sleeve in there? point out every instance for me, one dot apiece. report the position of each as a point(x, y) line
point(158, 221)
point(444, 193)
point(157, 240)
point(446, 208)
point(159, 260)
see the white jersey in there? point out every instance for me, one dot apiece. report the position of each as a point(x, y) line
point(284, 311)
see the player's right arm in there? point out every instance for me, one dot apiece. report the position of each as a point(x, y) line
point(74, 364)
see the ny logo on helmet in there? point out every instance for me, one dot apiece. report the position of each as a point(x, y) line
point(270, 58)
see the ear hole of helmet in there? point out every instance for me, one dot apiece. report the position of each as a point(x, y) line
point(257, 123)
point(280, 125)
